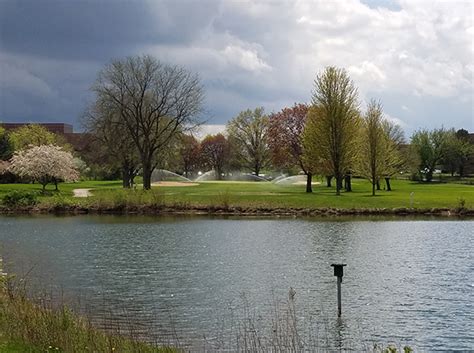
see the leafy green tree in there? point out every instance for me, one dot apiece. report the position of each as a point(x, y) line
point(430, 147)
point(394, 161)
point(373, 145)
point(6, 149)
point(458, 151)
point(248, 134)
point(330, 138)
point(34, 135)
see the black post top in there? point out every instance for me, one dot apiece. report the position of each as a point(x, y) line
point(338, 269)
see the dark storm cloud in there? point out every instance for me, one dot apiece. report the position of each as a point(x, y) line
point(94, 29)
point(51, 50)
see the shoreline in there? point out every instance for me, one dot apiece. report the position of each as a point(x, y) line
point(238, 211)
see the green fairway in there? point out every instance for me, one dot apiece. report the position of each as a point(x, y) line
point(261, 195)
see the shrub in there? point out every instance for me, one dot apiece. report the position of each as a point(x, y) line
point(20, 198)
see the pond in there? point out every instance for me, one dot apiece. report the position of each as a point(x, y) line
point(205, 281)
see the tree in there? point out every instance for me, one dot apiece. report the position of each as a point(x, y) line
point(189, 154)
point(330, 135)
point(248, 136)
point(112, 140)
point(393, 157)
point(285, 139)
point(44, 164)
point(215, 153)
point(33, 135)
point(373, 145)
point(466, 150)
point(458, 151)
point(431, 148)
point(156, 101)
point(6, 148)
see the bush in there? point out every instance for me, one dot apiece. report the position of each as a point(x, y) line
point(20, 198)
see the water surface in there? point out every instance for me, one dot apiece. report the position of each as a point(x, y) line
point(407, 282)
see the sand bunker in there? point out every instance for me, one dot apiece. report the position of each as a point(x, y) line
point(304, 183)
point(173, 183)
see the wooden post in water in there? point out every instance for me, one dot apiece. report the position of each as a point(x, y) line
point(339, 272)
point(339, 300)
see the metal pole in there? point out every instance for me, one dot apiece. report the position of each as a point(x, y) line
point(339, 301)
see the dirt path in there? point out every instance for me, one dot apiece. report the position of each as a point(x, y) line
point(82, 192)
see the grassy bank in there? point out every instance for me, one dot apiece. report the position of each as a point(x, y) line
point(29, 327)
point(248, 197)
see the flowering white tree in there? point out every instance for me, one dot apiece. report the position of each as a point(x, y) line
point(44, 164)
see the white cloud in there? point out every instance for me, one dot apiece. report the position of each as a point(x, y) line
point(209, 129)
point(246, 59)
point(276, 48)
point(395, 120)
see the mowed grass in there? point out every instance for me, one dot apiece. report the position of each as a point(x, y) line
point(262, 195)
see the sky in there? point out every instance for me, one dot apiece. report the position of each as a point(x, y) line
point(415, 56)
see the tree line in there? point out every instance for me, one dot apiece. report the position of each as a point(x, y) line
point(146, 112)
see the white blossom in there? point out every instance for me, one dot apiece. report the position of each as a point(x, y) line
point(44, 164)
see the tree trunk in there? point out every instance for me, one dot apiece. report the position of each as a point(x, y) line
point(429, 176)
point(257, 170)
point(125, 177)
point(328, 180)
point(338, 185)
point(309, 179)
point(131, 176)
point(373, 188)
point(147, 170)
point(347, 182)
point(378, 185)
point(387, 182)
point(55, 184)
point(461, 170)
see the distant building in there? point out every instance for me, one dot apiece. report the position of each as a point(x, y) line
point(57, 128)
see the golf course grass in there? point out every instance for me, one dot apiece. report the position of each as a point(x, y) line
point(257, 195)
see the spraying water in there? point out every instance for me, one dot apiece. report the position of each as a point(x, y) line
point(209, 175)
point(293, 179)
point(166, 175)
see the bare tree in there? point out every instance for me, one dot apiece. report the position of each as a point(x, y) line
point(248, 135)
point(112, 140)
point(330, 141)
point(155, 102)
